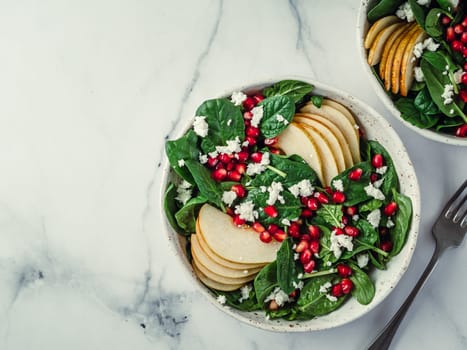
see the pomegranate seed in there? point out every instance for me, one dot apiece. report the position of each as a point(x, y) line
point(314, 247)
point(464, 21)
point(306, 213)
point(383, 231)
point(224, 158)
point(373, 177)
point(450, 35)
point(229, 211)
point(347, 285)
point(271, 141)
point(242, 156)
point(265, 237)
point(275, 150)
point(465, 67)
point(272, 228)
point(377, 161)
point(355, 174)
point(314, 232)
point(351, 211)
point(279, 235)
point(305, 256)
point(464, 37)
point(345, 219)
point(240, 168)
point(351, 231)
point(238, 221)
point(458, 29)
point(463, 95)
point(390, 208)
point(321, 197)
point(301, 246)
point(306, 237)
point(231, 166)
point(251, 140)
point(344, 270)
point(312, 204)
point(338, 197)
point(256, 157)
point(464, 51)
point(258, 98)
point(219, 174)
point(294, 230)
point(445, 20)
point(249, 103)
point(308, 268)
point(336, 290)
point(386, 246)
point(258, 227)
point(461, 131)
point(239, 190)
point(212, 162)
point(338, 231)
point(247, 115)
point(234, 176)
point(252, 131)
point(293, 294)
point(457, 45)
point(270, 211)
point(328, 190)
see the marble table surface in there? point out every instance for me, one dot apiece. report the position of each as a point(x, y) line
point(89, 92)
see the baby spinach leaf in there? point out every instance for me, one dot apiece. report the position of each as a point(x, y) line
point(390, 177)
point(184, 148)
point(208, 188)
point(377, 261)
point(421, 112)
point(278, 112)
point(186, 216)
point(449, 123)
point(317, 100)
point(286, 268)
point(331, 214)
point(402, 222)
point(355, 190)
point(294, 89)
point(233, 299)
point(445, 5)
point(287, 312)
point(225, 122)
point(364, 289)
point(433, 26)
point(367, 234)
point(383, 8)
point(418, 12)
point(371, 205)
point(265, 282)
point(170, 207)
point(424, 103)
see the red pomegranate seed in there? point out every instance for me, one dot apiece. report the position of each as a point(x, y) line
point(445, 20)
point(347, 285)
point(465, 67)
point(314, 232)
point(464, 51)
point(463, 95)
point(386, 246)
point(258, 98)
point(301, 246)
point(450, 35)
point(390, 208)
point(308, 268)
point(328, 190)
point(270, 142)
point(314, 247)
point(272, 228)
point(457, 45)
point(458, 29)
point(256, 157)
point(219, 174)
point(336, 290)
point(251, 140)
point(270, 211)
point(212, 162)
point(464, 37)
point(377, 161)
point(238, 221)
point(249, 103)
point(464, 21)
point(242, 156)
point(240, 168)
point(239, 190)
point(265, 237)
point(275, 150)
point(294, 293)
point(224, 158)
point(247, 115)
point(294, 230)
point(252, 131)
point(231, 166)
point(464, 76)
point(383, 231)
point(312, 204)
point(355, 174)
point(344, 270)
point(351, 210)
point(351, 231)
point(258, 227)
point(345, 219)
point(322, 198)
point(338, 231)
point(306, 213)
point(461, 131)
point(279, 235)
point(338, 197)
point(234, 176)
point(305, 256)
point(373, 177)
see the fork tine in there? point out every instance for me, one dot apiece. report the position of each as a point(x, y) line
point(461, 210)
point(449, 207)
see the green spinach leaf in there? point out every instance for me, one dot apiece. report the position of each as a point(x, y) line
point(331, 214)
point(367, 234)
point(433, 26)
point(278, 112)
point(364, 289)
point(418, 12)
point(390, 177)
point(371, 205)
point(186, 216)
point(383, 8)
point(265, 282)
point(208, 188)
point(170, 207)
point(286, 268)
point(184, 148)
point(294, 89)
point(402, 222)
point(235, 300)
point(317, 100)
point(355, 190)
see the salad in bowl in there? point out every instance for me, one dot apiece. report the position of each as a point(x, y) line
point(287, 206)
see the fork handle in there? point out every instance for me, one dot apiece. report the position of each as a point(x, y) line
point(383, 341)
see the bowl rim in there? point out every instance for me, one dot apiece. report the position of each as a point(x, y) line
point(362, 23)
point(283, 325)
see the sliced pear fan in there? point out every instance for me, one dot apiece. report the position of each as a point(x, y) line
point(376, 50)
point(409, 61)
point(387, 47)
point(378, 26)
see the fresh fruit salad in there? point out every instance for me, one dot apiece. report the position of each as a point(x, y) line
point(418, 50)
point(285, 206)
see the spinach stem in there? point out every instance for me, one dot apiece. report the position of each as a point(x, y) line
point(319, 273)
point(277, 171)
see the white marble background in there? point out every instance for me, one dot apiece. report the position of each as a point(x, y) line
point(89, 90)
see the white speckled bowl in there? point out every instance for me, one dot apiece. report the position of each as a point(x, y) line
point(376, 128)
point(362, 29)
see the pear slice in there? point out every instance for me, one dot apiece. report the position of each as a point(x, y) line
point(329, 136)
point(295, 140)
point(392, 53)
point(341, 108)
point(376, 50)
point(397, 63)
point(216, 268)
point(338, 134)
point(377, 27)
point(236, 244)
point(347, 128)
point(220, 278)
point(213, 284)
point(387, 47)
point(409, 61)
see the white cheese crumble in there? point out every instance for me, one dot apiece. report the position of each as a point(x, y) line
point(458, 76)
point(418, 73)
point(298, 285)
point(378, 183)
point(355, 217)
point(258, 168)
point(451, 111)
point(213, 154)
point(200, 126)
point(229, 122)
point(279, 296)
point(228, 197)
point(263, 189)
point(203, 158)
point(389, 223)
point(328, 263)
point(325, 287)
point(302, 188)
point(245, 293)
point(275, 193)
point(362, 260)
point(454, 3)
point(338, 242)
point(296, 256)
point(428, 44)
point(257, 116)
point(285, 222)
point(374, 192)
point(221, 299)
point(181, 163)
point(331, 297)
point(374, 218)
point(338, 185)
point(405, 12)
point(232, 146)
point(183, 192)
point(246, 211)
point(447, 94)
point(382, 170)
point(418, 50)
point(424, 2)
point(237, 98)
point(300, 275)
point(281, 119)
